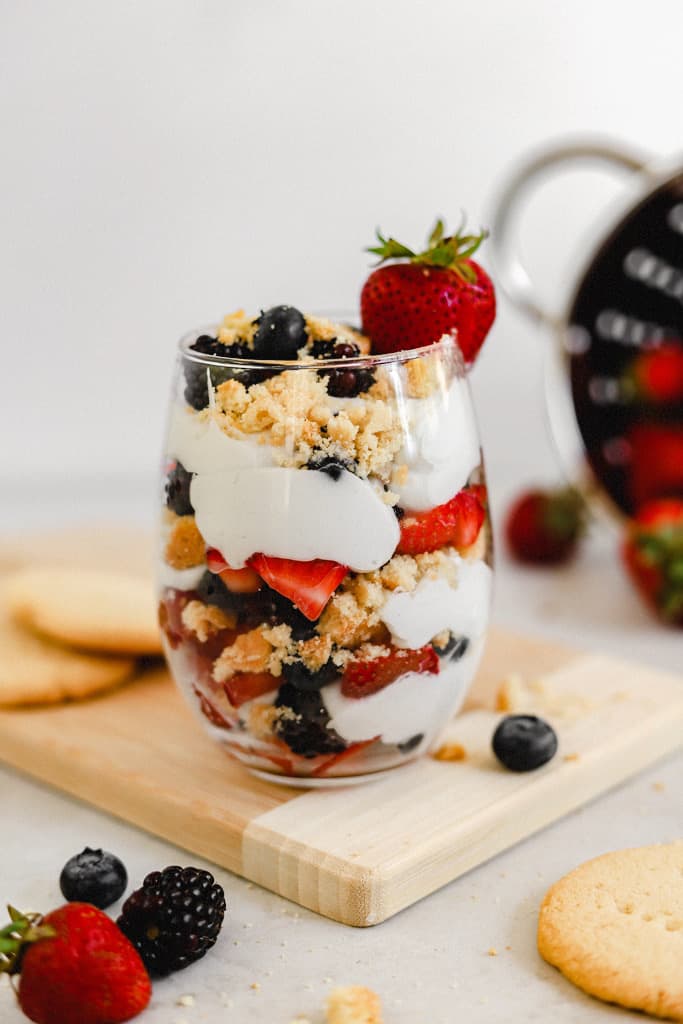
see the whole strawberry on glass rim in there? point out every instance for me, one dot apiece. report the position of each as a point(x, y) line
point(418, 297)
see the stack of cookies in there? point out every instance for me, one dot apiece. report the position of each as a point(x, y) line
point(71, 633)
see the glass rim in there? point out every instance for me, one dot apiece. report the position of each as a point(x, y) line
point(447, 342)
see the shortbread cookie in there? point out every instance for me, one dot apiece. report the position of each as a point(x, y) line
point(98, 611)
point(614, 927)
point(353, 1004)
point(35, 671)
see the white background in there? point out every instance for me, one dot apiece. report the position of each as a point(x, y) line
point(164, 162)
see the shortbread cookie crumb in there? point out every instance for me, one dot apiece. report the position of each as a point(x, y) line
point(450, 752)
point(354, 1004)
point(185, 547)
point(614, 927)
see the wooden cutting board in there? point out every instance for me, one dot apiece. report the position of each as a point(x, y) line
point(357, 854)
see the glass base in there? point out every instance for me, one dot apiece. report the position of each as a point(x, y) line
point(333, 782)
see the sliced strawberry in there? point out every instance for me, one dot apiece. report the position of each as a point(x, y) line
point(246, 686)
point(210, 711)
point(239, 581)
point(336, 759)
point(457, 522)
point(363, 678)
point(308, 585)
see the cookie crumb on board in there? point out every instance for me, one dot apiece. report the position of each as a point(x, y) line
point(450, 752)
point(354, 1004)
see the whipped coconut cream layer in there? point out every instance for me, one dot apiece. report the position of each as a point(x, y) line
point(441, 448)
point(294, 513)
point(414, 618)
point(179, 579)
point(202, 447)
point(415, 703)
point(244, 504)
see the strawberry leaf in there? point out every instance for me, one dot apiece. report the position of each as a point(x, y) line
point(437, 233)
point(389, 249)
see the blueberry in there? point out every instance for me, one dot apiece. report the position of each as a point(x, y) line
point(524, 742)
point(304, 679)
point(454, 648)
point(411, 743)
point(333, 466)
point(178, 490)
point(212, 590)
point(281, 332)
point(93, 876)
point(305, 731)
point(398, 512)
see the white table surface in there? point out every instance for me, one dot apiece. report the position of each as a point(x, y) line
point(431, 963)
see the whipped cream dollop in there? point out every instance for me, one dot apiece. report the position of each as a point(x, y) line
point(441, 448)
point(294, 513)
point(245, 504)
point(414, 618)
point(415, 703)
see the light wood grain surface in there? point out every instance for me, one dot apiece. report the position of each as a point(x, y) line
point(356, 854)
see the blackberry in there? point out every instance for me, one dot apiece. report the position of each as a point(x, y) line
point(306, 733)
point(174, 918)
point(178, 490)
point(196, 388)
point(399, 512)
point(304, 679)
point(281, 332)
point(93, 876)
point(342, 383)
point(454, 648)
point(284, 611)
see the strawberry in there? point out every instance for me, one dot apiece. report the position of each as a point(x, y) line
point(656, 465)
point(76, 967)
point(656, 374)
point(363, 678)
point(436, 292)
point(457, 522)
point(239, 581)
point(653, 554)
point(246, 686)
point(345, 755)
point(308, 585)
point(543, 527)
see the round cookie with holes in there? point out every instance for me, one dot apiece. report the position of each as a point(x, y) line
point(614, 927)
point(97, 611)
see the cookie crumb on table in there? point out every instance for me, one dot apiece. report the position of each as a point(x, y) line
point(450, 752)
point(354, 1004)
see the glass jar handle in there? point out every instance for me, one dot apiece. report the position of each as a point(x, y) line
point(511, 273)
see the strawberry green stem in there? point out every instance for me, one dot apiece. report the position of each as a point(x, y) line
point(450, 252)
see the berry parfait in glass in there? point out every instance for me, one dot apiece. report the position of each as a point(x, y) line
point(324, 570)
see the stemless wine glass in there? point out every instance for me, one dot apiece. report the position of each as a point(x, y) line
point(324, 573)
